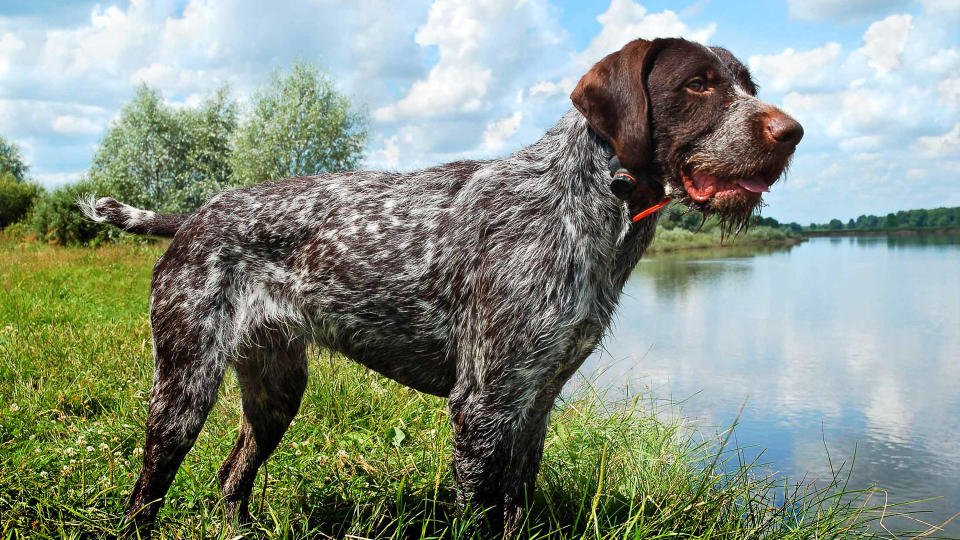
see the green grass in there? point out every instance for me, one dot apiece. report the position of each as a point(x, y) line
point(366, 457)
point(681, 239)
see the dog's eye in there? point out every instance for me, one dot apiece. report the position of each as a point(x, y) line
point(696, 85)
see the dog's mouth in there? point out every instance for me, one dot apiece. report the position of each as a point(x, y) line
point(702, 186)
point(732, 197)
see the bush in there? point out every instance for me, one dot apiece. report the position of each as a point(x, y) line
point(56, 218)
point(16, 198)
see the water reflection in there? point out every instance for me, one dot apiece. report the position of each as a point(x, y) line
point(850, 342)
point(669, 278)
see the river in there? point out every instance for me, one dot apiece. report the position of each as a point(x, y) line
point(844, 344)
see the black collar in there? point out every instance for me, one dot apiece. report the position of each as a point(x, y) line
point(642, 193)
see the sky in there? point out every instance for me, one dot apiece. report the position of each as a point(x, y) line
point(875, 83)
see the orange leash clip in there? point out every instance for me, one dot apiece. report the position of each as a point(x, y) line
point(652, 209)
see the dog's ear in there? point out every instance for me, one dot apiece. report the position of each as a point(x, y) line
point(613, 97)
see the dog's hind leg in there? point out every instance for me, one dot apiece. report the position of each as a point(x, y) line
point(186, 378)
point(272, 379)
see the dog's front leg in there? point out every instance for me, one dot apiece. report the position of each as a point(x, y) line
point(499, 428)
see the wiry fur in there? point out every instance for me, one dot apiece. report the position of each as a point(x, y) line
point(488, 282)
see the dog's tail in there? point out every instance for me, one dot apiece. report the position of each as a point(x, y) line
point(131, 219)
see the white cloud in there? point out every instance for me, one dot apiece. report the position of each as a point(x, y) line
point(884, 42)
point(949, 90)
point(168, 77)
point(37, 118)
point(472, 40)
point(626, 20)
point(10, 45)
point(389, 155)
point(939, 146)
point(76, 125)
point(448, 88)
point(500, 130)
point(546, 89)
point(792, 70)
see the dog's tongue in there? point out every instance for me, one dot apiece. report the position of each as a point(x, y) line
point(755, 184)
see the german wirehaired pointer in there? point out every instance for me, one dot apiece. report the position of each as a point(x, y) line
point(488, 282)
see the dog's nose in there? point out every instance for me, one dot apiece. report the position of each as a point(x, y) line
point(783, 130)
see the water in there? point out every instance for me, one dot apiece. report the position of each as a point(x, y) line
point(849, 343)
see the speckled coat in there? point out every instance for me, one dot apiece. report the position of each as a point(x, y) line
point(488, 282)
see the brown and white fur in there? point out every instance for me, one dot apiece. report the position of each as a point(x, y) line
point(488, 282)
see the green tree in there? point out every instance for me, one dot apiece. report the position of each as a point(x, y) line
point(55, 217)
point(16, 198)
point(917, 218)
point(299, 125)
point(11, 160)
point(767, 222)
point(835, 224)
point(851, 224)
point(691, 221)
point(163, 158)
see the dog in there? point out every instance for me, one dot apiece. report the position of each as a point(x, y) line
point(487, 282)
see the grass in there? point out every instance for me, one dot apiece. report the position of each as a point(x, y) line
point(678, 239)
point(366, 457)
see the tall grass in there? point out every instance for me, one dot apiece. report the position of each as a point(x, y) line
point(365, 458)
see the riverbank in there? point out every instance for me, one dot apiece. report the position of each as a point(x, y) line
point(365, 457)
point(876, 232)
point(681, 239)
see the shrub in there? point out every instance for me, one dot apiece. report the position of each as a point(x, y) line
point(16, 198)
point(56, 218)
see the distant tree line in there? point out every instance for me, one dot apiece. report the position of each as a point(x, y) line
point(171, 159)
point(936, 218)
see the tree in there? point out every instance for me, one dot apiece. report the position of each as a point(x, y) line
point(835, 224)
point(851, 224)
point(767, 222)
point(16, 198)
point(163, 158)
point(298, 125)
point(55, 217)
point(11, 160)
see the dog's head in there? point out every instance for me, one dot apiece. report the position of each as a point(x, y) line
point(688, 116)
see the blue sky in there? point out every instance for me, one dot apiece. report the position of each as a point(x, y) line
point(876, 83)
